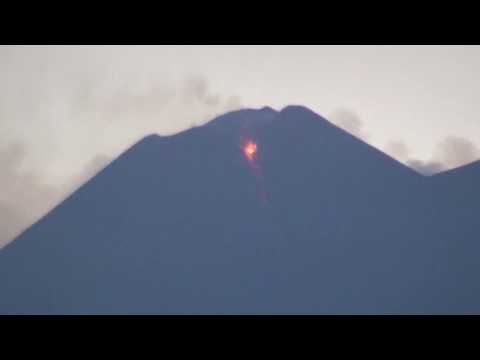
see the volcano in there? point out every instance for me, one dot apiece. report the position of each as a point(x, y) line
point(177, 225)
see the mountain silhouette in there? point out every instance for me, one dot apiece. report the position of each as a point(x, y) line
point(316, 222)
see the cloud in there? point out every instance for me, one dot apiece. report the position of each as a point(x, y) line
point(349, 121)
point(25, 197)
point(90, 170)
point(457, 151)
point(426, 167)
point(450, 153)
point(11, 222)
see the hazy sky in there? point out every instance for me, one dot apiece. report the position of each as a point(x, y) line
point(65, 111)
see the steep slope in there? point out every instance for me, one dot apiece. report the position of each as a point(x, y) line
point(317, 222)
point(454, 202)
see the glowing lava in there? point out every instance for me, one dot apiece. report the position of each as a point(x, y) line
point(250, 149)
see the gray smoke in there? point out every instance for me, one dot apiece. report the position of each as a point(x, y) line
point(349, 121)
point(65, 112)
point(398, 150)
point(90, 118)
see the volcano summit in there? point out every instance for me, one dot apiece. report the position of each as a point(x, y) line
point(177, 225)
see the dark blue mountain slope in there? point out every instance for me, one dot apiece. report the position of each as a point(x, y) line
point(317, 222)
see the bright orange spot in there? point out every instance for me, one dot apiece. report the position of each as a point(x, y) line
point(250, 149)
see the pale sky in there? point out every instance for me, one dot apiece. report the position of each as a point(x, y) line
point(71, 108)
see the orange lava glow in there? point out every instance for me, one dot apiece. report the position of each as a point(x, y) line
point(250, 149)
